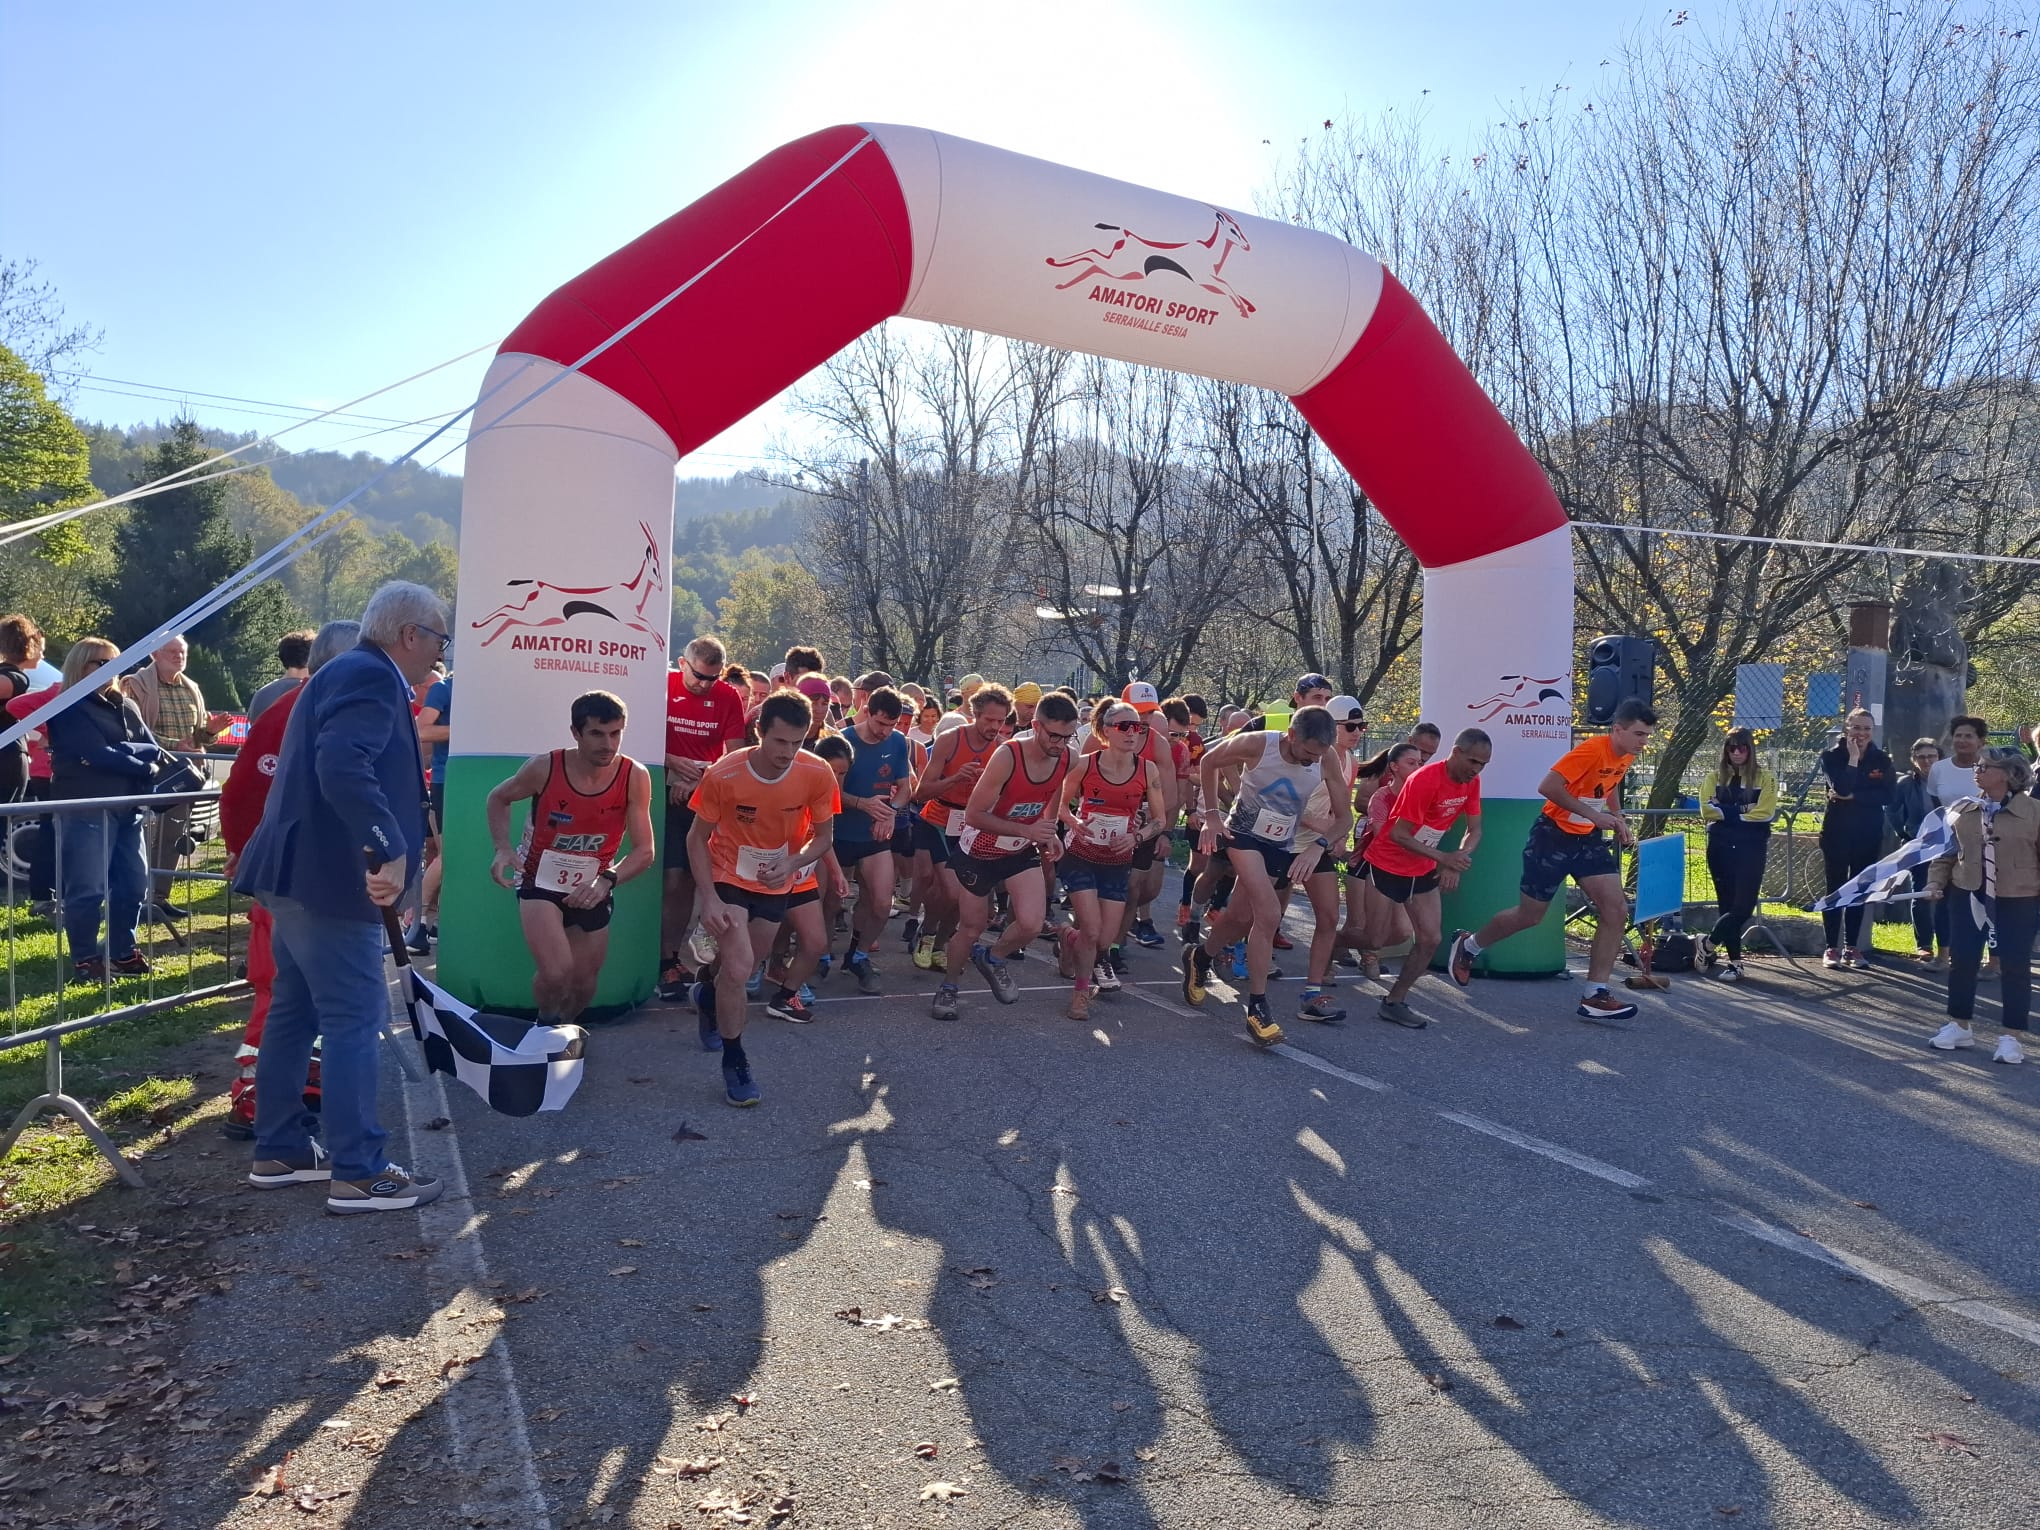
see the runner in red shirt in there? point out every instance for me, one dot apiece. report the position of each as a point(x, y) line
point(584, 802)
point(1407, 864)
point(705, 720)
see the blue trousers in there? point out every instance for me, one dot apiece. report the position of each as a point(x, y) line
point(329, 984)
point(100, 864)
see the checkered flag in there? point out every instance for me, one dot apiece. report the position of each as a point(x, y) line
point(1893, 875)
point(518, 1066)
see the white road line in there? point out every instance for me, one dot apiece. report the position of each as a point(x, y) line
point(1550, 1150)
point(1923, 1292)
point(484, 1413)
point(1312, 1060)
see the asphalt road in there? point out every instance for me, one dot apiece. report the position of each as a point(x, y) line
point(1757, 1259)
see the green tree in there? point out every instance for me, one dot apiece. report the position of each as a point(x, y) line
point(773, 604)
point(44, 461)
point(176, 546)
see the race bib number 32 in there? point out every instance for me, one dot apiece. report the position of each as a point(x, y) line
point(561, 872)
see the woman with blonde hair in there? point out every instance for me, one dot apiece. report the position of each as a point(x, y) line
point(100, 747)
point(1737, 805)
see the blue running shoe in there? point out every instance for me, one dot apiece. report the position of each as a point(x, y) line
point(737, 1086)
point(755, 988)
point(704, 1005)
point(1239, 961)
point(821, 971)
point(994, 972)
point(1145, 934)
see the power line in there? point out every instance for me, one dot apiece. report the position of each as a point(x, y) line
point(1856, 547)
point(169, 397)
point(95, 382)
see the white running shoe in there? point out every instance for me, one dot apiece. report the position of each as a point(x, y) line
point(1728, 972)
point(1831, 959)
point(1103, 978)
point(2009, 1050)
point(1952, 1035)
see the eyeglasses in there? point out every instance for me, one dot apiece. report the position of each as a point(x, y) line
point(1126, 727)
point(445, 638)
point(1056, 738)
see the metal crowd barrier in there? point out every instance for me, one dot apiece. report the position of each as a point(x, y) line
point(211, 966)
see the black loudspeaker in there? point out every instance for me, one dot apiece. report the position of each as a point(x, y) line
point(1619, 669)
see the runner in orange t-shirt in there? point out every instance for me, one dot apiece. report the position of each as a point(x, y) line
point(1577, 835)
point(764, 818)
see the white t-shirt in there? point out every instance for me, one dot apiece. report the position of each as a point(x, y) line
point(949, 722)
point(1948, 782)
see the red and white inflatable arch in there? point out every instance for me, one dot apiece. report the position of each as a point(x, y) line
point(567, 516)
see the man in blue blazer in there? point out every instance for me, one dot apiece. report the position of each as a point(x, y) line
point(349, 788)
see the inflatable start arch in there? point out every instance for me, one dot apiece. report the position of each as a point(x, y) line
point(567, 517)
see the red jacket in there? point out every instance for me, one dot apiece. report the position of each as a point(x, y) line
point(246, 790)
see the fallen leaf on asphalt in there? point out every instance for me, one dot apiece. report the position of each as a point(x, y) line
point(1062, 1189)
point(867, 1184)
point(1109, 1471)
point(387, 1379)
point(704, 1307)
point(312, 1499)
point(528, 1294)
point(686, 1133)
point(642, 1079)
point(946, 1384)
point(1505, 1321)
point(851, 1314)
point(271, 1482)
point(1948, 1442)
point(1728, 1510)
point(1558, 1333)
point(1866, 1205)
point(624, 1269)
point(743, 1400)
point(790, 1216)
point(1438, 1381)
point(409, 1253)
point(714, 1423)
point(1113, 1294)
point(942, 1492)
point(546, 1415)
point(630, 1243)
point(1121, 1407)
point(927, 1450)
point(338, 1423)
point(1145, 1452)
point(438, 1124)
point(677, 1466)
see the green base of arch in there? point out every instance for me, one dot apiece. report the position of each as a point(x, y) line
point(1494, 884)
point(482, 956)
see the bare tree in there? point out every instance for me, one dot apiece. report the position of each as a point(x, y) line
point(923, 457)
point(1130, 541)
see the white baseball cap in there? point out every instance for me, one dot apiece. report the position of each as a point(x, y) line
point(1346, 709)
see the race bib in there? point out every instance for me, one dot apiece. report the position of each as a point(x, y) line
point(955, 829)
point(1106, 827)
point(980, 844)
point(1579, 822)
point(1428, 837)
point(561, 872)
point(756, 865)
point(1277, 828)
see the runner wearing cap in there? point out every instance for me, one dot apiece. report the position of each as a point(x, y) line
point(1408, 863)
point(1026, 697)
point(1577, 835)
point(955, 762)
point(1315, 868)
point(1278, 772)
point(1113, 801)
point(705, 720)
point(1008, 834)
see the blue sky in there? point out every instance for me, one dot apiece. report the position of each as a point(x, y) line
point(301, 203)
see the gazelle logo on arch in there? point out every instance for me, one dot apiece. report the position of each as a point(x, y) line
point(1132, 258)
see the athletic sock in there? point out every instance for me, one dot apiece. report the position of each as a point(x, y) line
point(1594, 988)
point(1470, 946)
point(733, 1052)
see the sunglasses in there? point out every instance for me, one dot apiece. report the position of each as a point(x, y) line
point(1126, 727)
point(1353, 727)
point(704, 679)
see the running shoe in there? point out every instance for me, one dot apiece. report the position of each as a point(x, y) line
point(1080, 1004)
point(1952, 1036)
point(1104, 979)
point(994, 972)
point(704, 1007)
point(674, 982)
point(1459, 964)
point(394, 1189)
point(807, 994)
point(1196, 973)
point(1190, 931)
point(924, 952)
point(1854, 957)
point(1728, 972)
point(1145, 933)
point(1603, 1005)
point(1238, 953)
point(1396, 1012)
point(755, 987)
point(1320, 1007)
point(1346, 957)
point(2008, 1050)
point(417, 942)
point(1831, 959)
point(938, 959)
point(738, 1088)
point(793, 1009)
point(947, 1003)
point(134, 965)
point(861, 969)
point(1283, 942)
point(1705, 957)
point(910, 932)
point(1116, 960)
point(1260, 1024)
point(822, 966)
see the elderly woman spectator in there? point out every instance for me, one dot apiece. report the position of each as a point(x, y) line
point(100, 747)
point(1991, 877)
point(1860, 780)
point(1911, 801)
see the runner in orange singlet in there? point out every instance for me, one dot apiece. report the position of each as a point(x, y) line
point(955, 761)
